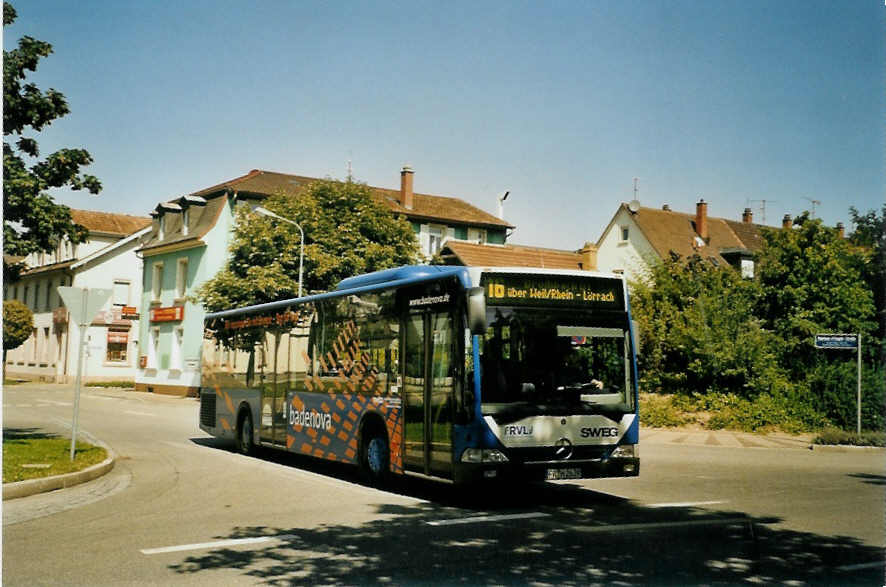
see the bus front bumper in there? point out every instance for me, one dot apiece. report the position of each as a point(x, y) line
point(548, 471)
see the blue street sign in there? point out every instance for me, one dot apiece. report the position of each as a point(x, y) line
point(836, 341)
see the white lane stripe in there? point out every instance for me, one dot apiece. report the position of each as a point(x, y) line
point(685, 504)
point(660, 525)
point(862, 566)
point(216, 544)
point(478, 519)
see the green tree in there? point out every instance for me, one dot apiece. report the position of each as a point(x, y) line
point(699, 331)
point(812, 281)
point(870, 233)
point(32, 220)
point(18, 322)
point(347, 232)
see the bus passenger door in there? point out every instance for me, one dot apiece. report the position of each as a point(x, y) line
point(427, 393)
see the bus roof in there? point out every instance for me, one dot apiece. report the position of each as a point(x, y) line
point(386, 278)
point(403, 276)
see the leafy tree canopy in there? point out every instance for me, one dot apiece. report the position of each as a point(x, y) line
point(32, 220)
point(347, 232)
point(18, 322)
point(870, 232)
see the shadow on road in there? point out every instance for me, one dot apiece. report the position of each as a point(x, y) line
point(578, 537)
point(13, 435)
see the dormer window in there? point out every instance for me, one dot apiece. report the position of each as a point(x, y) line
point(186, 216)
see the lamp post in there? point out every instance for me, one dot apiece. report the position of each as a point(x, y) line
point(301, 254)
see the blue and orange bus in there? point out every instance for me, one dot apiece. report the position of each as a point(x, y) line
point(457, 373)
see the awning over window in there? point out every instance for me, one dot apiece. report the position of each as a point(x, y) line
point(118, 336)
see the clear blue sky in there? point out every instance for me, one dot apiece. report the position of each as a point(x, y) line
point(561, 103)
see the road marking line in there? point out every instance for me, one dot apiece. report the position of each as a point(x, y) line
point(131, 413)
point(660, 525)
point(216, 544)
point(477, 519)
point(685, 504)
point(862, 566)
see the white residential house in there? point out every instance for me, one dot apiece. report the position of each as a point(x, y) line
point(107, 260)
point(638, 236)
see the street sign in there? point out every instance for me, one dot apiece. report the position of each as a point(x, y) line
point(83, 305)
point(851, 342)
point(836, 341)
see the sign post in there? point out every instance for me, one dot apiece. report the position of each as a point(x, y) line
point(845, 342)
point(83, 304)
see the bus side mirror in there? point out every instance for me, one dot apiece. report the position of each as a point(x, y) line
point(477, 310)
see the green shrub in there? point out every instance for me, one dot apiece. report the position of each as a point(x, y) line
point(841, 437)
point(123, 384)
point(661, 411)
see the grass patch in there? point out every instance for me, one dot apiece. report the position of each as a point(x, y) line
point(123, 384)
point(662, 411)
point(842, 437)
point(26, 454)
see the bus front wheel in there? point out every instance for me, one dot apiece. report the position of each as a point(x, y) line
point(245, 442)
point(375, 459)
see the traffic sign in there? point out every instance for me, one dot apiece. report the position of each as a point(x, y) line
point(836, 341)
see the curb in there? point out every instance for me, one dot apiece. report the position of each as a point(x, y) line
point(845, 448)
point(45, 484)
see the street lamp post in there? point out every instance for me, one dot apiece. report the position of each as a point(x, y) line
point(301, 255)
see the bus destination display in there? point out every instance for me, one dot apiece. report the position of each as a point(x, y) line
point(507, 289)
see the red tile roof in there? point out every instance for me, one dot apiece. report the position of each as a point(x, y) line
point(669, 231)
point(425, 206)
point(108, 223)
point(474, 255)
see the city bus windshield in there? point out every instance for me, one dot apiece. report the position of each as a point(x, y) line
point(556, 360)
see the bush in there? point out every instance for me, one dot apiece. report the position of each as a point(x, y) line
point(662, 411)
point(841, 437)
point(123, 384)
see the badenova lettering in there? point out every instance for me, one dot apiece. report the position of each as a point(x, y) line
point(310, 419)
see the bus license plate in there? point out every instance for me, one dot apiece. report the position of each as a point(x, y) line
point(556, 474)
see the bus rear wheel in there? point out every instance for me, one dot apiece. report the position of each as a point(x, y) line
point(375, 457)
point(244, 438)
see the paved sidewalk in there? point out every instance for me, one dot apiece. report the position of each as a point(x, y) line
point(727, 438)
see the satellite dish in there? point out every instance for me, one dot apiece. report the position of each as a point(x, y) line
point(634, 206)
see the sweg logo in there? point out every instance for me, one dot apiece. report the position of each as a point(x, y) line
point(599, 432)
point(518, 430)
point(310, 419)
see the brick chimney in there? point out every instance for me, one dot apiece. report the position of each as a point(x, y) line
point(407, 197)
point(840, 230)
point(787, 222)
point(747, 216)
point(701, 219)
point(588, 257)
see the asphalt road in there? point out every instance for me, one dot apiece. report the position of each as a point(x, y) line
point(180, 508)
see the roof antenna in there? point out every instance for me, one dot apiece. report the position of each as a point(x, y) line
point(814, 204)
point(634, 205)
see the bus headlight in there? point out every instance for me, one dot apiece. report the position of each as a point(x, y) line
point(626, 451)
point(477, 455)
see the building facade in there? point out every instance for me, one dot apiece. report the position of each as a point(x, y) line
point(187, 246)
point(637, 237)
point(107, 260)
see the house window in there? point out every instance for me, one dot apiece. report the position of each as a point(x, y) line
point(36, 296)
point(625, 234)
point(25, 296)
point(175, 356)
point(435, 239)
point(118, 341)
point(185, 219)
point(477, 235)
point(46, 304)
point(156, 282)
point(181, 278)
point(153, 348)
point(121, 292)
